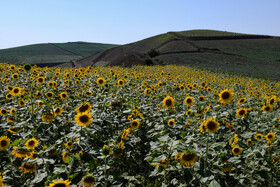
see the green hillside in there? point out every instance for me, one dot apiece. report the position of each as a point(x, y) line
point(51, 53)
point(252, 55)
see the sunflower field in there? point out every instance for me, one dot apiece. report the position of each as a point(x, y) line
point(138, 126)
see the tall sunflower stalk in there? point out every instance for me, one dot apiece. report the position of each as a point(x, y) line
point(206, 154)
point(105, 176)
point(211, 127)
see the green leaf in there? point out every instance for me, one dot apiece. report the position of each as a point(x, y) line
point(214, 183)
point(39, 178)
point(16, 142)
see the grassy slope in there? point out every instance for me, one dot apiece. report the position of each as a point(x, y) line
point(51, 53)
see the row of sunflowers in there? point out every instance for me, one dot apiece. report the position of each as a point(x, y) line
point(137, 126)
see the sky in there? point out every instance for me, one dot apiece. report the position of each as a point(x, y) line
point(24, 22)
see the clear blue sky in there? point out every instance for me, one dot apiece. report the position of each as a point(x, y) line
point(123, 21)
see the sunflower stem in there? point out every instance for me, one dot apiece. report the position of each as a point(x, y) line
point(12, 170)
point(32, 113)
point(105, 177)
point(206, 155)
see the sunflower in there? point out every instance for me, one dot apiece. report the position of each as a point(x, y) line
point(37, 95)
point(28, 167)
point(13, 130)
point(16, 91)
point(188, 159)
point(4, 143)
point(3, 112)
point(241, 112)
point(88, 181)
point(54, 83)
point(121, 144)
point(147, 91)
point(69, 145)
point(249, 142)
point(48, 118)
point(20, 153)
point(89, 93)
point(9, 88)
point(49, 95)
point(168, 102)
point(228, 169)
point(106, 149)
point(84, 119)
point(27, 67)
point(270, 136)
point(65, 155)
point(134, 124)
point(12, 67)
point(275, 160)
point(12, 111)
point(211, 125)
point(31, 143)
point(189, 112)
point(164, 163)
point(1, 181)
point(15, 76)
point(41, 79)
point(258, 136)
point(201, 98)
point(86, 107)
point(230, 125)
point(33, 155)
point(9, 96)
point(267, 108)
point(101, 81)
point(171, 123)
point(189, 101)
point(269, 143)
point(241, 101)
point(40, 103)
point(11, 119)
point(120, 82)
point(226, 96)
point(126, 133)
point(77, 82)
point(272, 101)
point(50, 84)
point(58, 111)
point(60, 184)
point(202, 128)
point(160, 84)
point(236, 150)
point(21, 102)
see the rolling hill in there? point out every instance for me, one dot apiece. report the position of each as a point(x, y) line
point(51, 53)
point(253, 55)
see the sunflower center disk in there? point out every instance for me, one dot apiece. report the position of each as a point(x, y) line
point(236, 150)
point(188, 157)
point(168, 102)
point(31, 143)
point(225, 95)
point(84, 119)
point(211, 125)
point(83, 108)
point(3, 143)
point(59, 185)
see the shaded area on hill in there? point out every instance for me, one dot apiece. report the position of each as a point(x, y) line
point(253, 55)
